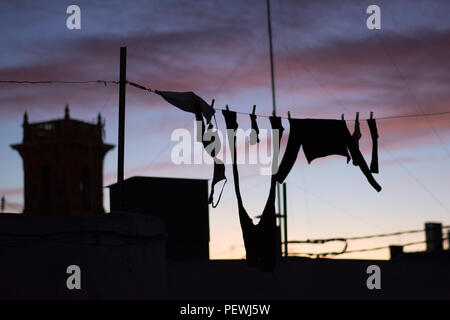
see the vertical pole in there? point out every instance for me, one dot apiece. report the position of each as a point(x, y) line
point(280, 217)
point(122, 83)
point(272, 78)
point(285, 220)
point(433, 236)
point(271, 58)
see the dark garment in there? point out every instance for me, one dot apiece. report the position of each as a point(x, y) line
point(254, 134)
point(259, 239)
point(219, 166)
point(374, 134)
point(276, 125)
point(189, 102)
point(356, 136)
point(321, 138)
point(218, 175)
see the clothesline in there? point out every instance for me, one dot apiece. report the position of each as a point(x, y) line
point(58, 82)
point(268, 116)
point(105, 82)
point(361, 119)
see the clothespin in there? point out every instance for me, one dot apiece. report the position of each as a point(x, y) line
point(357, 116)
point(371, 115)
point(212, 103)
point(254, 109)
point(342, 117)
point(289, 115)
point(104, 82)
point(226, 107)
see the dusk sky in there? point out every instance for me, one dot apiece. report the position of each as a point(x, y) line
point(326, 61)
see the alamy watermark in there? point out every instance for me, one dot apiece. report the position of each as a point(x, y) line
point(188, 150)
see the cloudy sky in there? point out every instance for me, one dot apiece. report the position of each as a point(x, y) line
point(326, 63)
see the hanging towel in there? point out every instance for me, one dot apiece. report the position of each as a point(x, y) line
point(356, 136)
point(189, 102)
point(321, 138)
point(259, 239)
point(374, 134)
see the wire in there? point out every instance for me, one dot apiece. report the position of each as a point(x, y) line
point(105, 82)
point(58, 82)
point(60, 237)
point(357, 250)
point(287, 118)
point(363, 237)
point(414, 96)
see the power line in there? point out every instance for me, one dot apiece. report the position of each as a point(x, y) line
point(414, 96)
point(356, 250)
point(345, 240)
point(320, 241)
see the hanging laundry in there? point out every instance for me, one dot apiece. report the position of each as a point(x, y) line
point(321, 138)
point(254, 134)
point(219, 166)
point(356, 136)
point(259, 239)
point(276, 125)
point(374, 135)
point(189, 102)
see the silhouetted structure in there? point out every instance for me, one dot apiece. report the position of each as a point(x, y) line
point(182, 205)
point(63, 166)
point(434, 246)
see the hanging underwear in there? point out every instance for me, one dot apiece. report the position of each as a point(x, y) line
point(260, 239)
point(374, 134)
point(219, 166)
point(356, 136)
point(321, 138)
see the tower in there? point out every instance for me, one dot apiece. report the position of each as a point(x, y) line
point(63, 166)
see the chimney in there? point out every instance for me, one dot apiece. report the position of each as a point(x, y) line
point(433, 234)
point(396, 251)
point(448, 240)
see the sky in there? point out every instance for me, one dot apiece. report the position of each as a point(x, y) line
point(327, 63)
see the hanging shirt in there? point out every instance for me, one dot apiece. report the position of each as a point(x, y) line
point(374, 134)
point(259, 239)
point(321, 138)
point(189, 102)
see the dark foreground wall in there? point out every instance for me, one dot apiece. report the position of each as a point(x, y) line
point(121, 256)
point(310, 279)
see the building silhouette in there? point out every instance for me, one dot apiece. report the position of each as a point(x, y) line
point(181, 204)
point(63, 166)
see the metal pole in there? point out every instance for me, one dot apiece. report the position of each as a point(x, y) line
point(285, 220)
point(121, 141)
point(272, 78)
point(271, 58)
